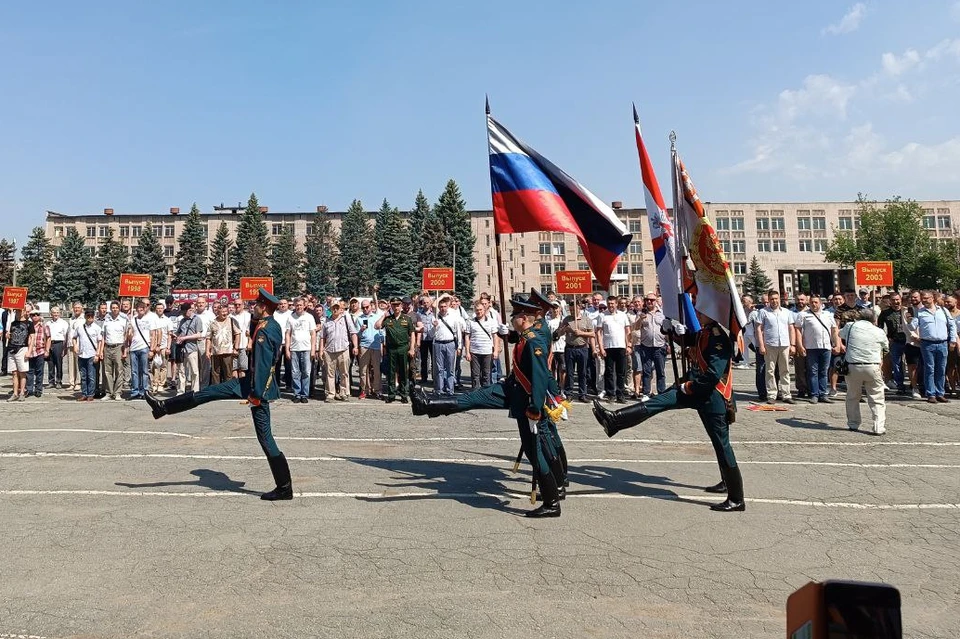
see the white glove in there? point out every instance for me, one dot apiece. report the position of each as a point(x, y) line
point(679, 328)
point(503, 329)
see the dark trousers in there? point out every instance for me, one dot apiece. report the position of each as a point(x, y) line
point(287, 376)
point(480, 369)
point(576, 356)
point(818, 367)
point(615, 370)
point(715, 423)
point(56, 363)
point(593, 374)
point(35, 375)
point(398, 374)
point(426, 351)
point(88, 376)
point(261, 414)
point(653, 359)
point(800, 374)
point(761, 374)
point(3, 366)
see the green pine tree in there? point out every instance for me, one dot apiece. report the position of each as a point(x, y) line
point(355, 268)
point(6, 262)
point(148, 259)
point(452, 212)
point(321, 258)
point(110, 262)
point(756, 282)
point(218, 277)
point(434, 247)
point(71, 271)
point(395, 270)
point(36, 265)
point(287, 262)
point(417, 220)
point(249, 258)
point(190, 265)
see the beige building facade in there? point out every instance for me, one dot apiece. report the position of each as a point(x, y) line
point(788, 239)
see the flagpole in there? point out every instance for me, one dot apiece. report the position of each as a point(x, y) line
point(678, 258)
point(503, 288)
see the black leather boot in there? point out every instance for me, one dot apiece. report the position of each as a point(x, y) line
point(281, 476)
point(177, 404)
point(432, 406)
point(734, 501)
point(717, 488)
point(550, 494)
point(613, 421)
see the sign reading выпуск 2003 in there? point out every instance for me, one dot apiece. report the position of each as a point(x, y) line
point(874, 273)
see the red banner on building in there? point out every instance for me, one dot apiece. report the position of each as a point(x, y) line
point(250, 287)
point(209, 294)
point(14, 297)
point(438, 279)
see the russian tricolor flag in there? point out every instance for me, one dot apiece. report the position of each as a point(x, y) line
point(530, 193)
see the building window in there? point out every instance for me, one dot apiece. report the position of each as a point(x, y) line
point(806, 246)
point(943, 221)
point(803, 223)
point(739, 246)
point(636, 248)
point(124, 231)
point(523, 268)
point(739, 268)
point(636, 269)
point(486, 225)
point(929, 222)
point(846, 223)
point(820, 246)
point(559, 248)
point(623, 269)
point(136, 230)
point(523, 251)
point(763, 246)
point(510, 255)
point(488, 259)
point(488, 240)
point(544, 248)
point(488, 277)
point(736, 224)
point(763, 224)
point(168, 230)
point(102, 231)
point(723, 224)
point(635, 226)
point(725, 245)
point(779, 246)
point(776, 223)
point(277, 228)
point(58, 231)
point(91, 231)
point(310, 230)
point(636, 289)
point(819, 224)
point(168, 251)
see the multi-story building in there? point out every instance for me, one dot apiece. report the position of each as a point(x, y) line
point(788, 239)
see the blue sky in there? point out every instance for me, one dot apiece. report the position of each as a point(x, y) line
point(142, 106)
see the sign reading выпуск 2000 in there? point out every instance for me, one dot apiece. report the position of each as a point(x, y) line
point(438, 279)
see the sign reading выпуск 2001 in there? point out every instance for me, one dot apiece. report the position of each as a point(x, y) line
point(438, 279)
point(574, 282)
point(874, 273)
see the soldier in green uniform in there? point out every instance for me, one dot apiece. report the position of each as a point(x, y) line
point(399, 330)
point(258, 387)
point(524, 394)
point(708, 389)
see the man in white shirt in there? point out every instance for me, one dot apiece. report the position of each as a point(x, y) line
point(447, 336)
point(158, 363)
point(241, 316)
point(142, 342)
point(282, 316)
point(776, 338)
point(88, 345)
point(114, 350)
point(73, 365)
point(481, 345)
point(865, 346)
point(301, 343)
point(206, 315)
point(613, 335)
point(818, 338)
point(59, 331)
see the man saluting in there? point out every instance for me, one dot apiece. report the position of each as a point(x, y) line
point(258, 387)
point(524, 393)
point(708, 389)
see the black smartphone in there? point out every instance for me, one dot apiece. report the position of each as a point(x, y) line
point(857, 610)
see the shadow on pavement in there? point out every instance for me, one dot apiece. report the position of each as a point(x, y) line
point(206, 478)
point(605, 479)
point(808, 424)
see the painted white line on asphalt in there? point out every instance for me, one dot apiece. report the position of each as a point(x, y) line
point(388, 440)
point(387, 496)
point(456, 460)
point(4, 635)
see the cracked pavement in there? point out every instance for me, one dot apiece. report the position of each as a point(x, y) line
point(116, 525)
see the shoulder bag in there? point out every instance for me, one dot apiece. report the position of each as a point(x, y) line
point(843, 366)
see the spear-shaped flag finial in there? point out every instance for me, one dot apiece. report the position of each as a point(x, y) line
point(487, 97)
point(636, 117)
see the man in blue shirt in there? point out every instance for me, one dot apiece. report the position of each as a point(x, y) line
point(937, 331)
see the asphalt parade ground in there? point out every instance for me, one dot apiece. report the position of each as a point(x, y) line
point(116, 525)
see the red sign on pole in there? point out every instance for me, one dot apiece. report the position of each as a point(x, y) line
point(134, 285)
point(574, 282)
point(250, 287)
point(438, 279)
point(14, 297)
point(874, 274)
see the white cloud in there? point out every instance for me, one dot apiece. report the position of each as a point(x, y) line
point(945, 49)
point(866, 152)
point(848, 23)
point(820, 95)
point(894, 65)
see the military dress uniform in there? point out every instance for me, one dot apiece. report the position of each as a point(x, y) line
point(708, 389)
point(258, 387)
point(399, 330)
point(524, 393)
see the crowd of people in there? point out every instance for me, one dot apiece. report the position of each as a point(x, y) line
point(610, 347)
